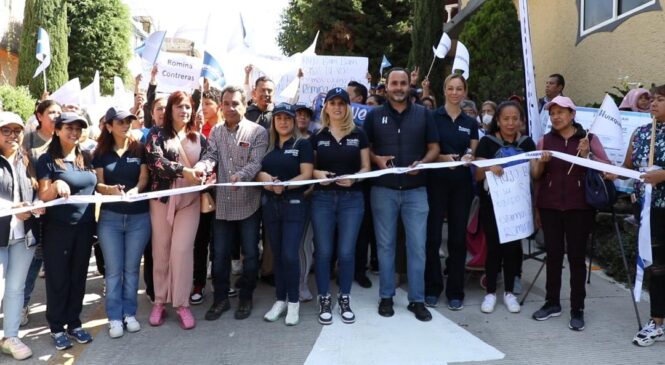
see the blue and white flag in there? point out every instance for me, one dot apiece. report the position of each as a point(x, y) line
point(644, 254)
point(150, 48)
point(384, 63)
point(212, 71)
point(43, 51)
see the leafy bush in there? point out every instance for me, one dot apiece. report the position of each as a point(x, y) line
point(17, 99)
point(607, 252)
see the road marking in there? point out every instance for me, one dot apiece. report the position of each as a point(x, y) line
point(398, 340)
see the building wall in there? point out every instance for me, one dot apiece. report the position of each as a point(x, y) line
point(8, 67)
point(635, 49)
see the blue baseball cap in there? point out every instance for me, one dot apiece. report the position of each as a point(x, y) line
point(299, 107)
point(284, 108)
point(118, 114)
point(71, 117)
point(338, 92)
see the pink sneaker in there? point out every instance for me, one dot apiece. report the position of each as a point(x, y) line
point(157, 315)
point(187, 321)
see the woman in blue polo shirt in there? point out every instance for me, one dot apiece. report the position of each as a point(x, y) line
point(284, 208)
point(124, 228)
point(62, 171)
point(340, 149)
point(449, 193)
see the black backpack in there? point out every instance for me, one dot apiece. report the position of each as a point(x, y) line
point(599, 193)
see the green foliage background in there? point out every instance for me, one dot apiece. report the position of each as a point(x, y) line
point(17, 99)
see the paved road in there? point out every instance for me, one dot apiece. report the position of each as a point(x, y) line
point(467, 336)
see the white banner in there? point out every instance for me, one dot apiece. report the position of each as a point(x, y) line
point(322, 73)
point(69, 93)
point(462, 60)
point(177, 72)
point(532, 109)
point(511, 199)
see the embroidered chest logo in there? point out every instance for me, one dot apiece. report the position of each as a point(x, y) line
point(465, 130)
point(135, 160)
point(323, 143)
point(293, 152)
point(353, 142)
point(384, 120)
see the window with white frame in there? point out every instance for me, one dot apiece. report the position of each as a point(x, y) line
point(595, 14)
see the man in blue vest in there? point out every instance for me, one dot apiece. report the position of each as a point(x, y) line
point(401, 134)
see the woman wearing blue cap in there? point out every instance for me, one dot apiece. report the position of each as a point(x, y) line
point(340, 149)
point(284, 208)
point(62, 171)
point(124, 228)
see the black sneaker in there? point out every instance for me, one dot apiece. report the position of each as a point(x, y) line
point(363, 281)
point(546, 311)
point(232, 293)
point(244, 309)
point(216, 310)
point(422, 314)
point(386, 307)
point(325, 309)
point(345, 311)
point(576, 320)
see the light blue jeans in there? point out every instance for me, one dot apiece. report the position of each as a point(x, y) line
point(15, 261)
point(411, 205)
point(123, 238)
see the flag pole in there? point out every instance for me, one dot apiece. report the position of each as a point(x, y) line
point(430, 67)
point(45, 88)
point(652, 144)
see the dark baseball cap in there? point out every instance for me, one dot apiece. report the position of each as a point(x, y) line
point(338, 92)
point(71, 117)
point(298, 107)
point(284, 108)
point(118, 114)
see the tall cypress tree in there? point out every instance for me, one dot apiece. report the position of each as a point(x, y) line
point(52, 16)
point(492, 36)
point(99, 39)
point(426, 32)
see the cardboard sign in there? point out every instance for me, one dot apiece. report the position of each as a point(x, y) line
point(511, 199)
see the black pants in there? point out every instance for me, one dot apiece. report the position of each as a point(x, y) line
point(147, 269)
point(66, 258)
point(449, 194)
point(201, 244)
point(566, 232)
point(508, 254)
point(657, 269)
point(366, 239)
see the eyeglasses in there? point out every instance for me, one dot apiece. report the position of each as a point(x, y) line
point(8, 132)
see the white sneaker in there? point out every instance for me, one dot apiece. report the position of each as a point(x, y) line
point(25, 316)
point(16, 348)
point(132, 324)
point(649, 334)
point(510, 300)
point(276, 311)
point(236, 267)
point(116, 329)
point(292, 314)
point(488, 303)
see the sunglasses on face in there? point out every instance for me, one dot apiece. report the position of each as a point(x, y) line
point(8, 132)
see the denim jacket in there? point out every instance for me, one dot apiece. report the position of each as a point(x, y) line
point(26, 193)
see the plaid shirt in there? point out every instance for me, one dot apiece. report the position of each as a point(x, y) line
point(236, 152)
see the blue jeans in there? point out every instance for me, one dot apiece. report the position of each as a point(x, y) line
point(341, 211)
point(15, 260)
point(284, 220)
point(411, 205)
point(123, 238)
point(225, 234)
point(31, 277)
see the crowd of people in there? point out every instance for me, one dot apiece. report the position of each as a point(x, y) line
point(277, 232)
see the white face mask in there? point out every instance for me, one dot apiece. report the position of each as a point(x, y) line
point(487, 119)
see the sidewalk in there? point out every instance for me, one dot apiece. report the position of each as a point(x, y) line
point(467, 336)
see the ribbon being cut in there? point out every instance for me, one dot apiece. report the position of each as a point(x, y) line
point(6, 206)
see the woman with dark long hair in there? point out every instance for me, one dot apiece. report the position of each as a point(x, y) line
point(172, 150)
point(124, 228)
point(64, 170)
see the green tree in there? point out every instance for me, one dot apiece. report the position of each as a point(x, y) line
point(52, 16)
point(100, 32)
point(426, 33)
point(492, 36)
point(17, 99)
point(349, 28)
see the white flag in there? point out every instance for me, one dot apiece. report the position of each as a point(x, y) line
point(91, 94)
point(462, 60)
point(152, 45)
point(43, 51)
point(607, 124)
point(444, 46)
point(121, 98)
point(69, 93)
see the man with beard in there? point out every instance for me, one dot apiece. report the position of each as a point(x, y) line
point(401, 134)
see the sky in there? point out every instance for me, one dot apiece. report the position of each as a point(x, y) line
point(261, 17)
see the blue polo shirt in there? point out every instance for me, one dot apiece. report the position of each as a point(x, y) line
point(284, 162)
point(124, 170)
point(454, 138)
point(81, 182)
point(339, 157)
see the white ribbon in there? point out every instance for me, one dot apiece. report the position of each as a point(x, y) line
point(644, 254)
point(82, 199)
